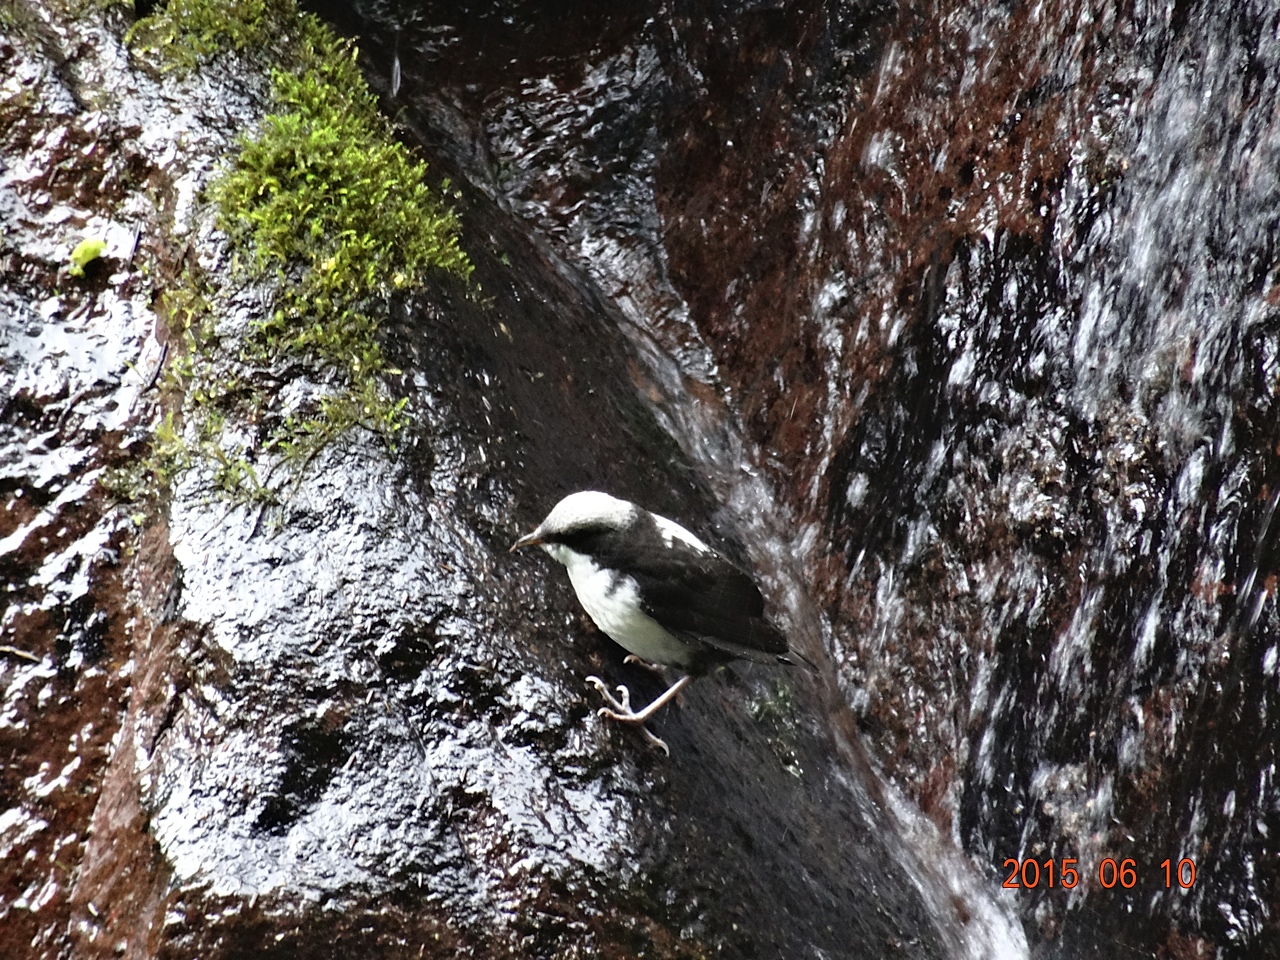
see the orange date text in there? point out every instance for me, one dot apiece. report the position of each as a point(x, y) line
point(1028, 874)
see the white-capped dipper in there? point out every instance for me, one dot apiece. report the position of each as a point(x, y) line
point(659, 591)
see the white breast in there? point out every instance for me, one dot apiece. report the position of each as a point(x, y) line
point(613, 603)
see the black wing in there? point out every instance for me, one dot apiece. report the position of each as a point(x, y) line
point(697, 594)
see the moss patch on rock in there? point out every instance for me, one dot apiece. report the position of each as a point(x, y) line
point(188, 32)
point(325, 208)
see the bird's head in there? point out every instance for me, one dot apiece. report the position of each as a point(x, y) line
point(583, 512)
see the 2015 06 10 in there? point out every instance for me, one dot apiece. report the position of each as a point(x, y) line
point(1029, 873)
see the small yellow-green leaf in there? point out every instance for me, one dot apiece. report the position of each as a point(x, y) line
point(86, 251)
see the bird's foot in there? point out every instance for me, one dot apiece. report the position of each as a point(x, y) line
point(619, 708)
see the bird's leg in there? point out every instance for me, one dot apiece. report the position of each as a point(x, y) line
point(653, 668)
point(620, 708)
point(657, 669)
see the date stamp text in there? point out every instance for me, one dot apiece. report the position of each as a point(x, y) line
point(1028, 874)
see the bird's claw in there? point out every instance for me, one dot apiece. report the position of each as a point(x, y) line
point(621, 703)
point(619, 708)
point(654, 739)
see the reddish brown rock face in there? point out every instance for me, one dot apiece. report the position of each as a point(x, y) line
point(816, 267)
point(937, 141)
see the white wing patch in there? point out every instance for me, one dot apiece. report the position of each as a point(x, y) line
point(672, 531)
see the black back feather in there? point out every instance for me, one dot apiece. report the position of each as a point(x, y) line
point(696, 595)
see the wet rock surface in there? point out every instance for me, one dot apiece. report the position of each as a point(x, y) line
point(87, 606)
point(956, 322)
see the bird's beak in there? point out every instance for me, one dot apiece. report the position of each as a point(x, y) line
point(528, 540)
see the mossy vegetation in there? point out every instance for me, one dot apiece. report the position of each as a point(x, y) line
point(85, 252)
point(326, 209)
point(187, 32)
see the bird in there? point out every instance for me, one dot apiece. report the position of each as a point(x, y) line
point(657, 590)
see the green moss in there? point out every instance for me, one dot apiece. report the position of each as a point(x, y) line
point(186, 33)
point(325, 205)
point(327, 202)
point(85, 253)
